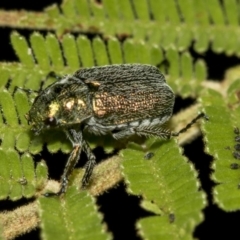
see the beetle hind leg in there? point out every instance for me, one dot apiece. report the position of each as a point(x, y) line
point(189, 125)
point(124, 133)
point(143, 131)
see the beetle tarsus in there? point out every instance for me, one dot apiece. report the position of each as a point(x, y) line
point(189, 125)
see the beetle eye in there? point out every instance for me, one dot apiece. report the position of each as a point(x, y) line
point(51, 121)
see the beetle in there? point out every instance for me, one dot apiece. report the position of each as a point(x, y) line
point(121, 99)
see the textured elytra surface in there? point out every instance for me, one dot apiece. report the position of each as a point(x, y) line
point(128, 92)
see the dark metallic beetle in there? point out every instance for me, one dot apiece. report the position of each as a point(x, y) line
point(122, 100)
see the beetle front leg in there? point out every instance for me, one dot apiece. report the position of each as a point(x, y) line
point(89, 165)
point(77, 142)
point(72, 160)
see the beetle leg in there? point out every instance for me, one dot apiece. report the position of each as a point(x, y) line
point(124, 133)
point(156, 131)
point(143, 131)
point(76, 139)
point(200, 115)
point(54, 75)
point(89, 165)
point(72, 160)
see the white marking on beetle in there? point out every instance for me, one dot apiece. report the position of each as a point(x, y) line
point(64, 80)
point(155, 121)
point(69, 104)
point(134, 124)
point(145, 123)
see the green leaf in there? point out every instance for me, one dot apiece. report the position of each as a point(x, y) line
point(68, 8)
point(168, 181)
point(39, 48)
point(111, 7)
point(220, 40)
point(8, 139)
point(141, 8)
point(22, 105)
point(173, 58)
point(54, 50)
point(85, 51)
point(23, 141)
point(114, 48)
point(219, 137)
point(188, 11)
point(200, 71)
point(202, 37)
point(130, 54)
point(4, 77)
point(21, 48)
point(155, 8)
point(4, 175)
point(156, 55)
point(70, 51)
point(184, 38)
point(127, 14)
point(29, 180)
point(100, 52)
point(169, 37)
point(8, 108)
point(41, 174)
point(201, 13)
point(231, 12)
point(97, 11)
point(215, 11)
point(172, 12)
point(73, 216)
point(17, 175)
point(52, 11)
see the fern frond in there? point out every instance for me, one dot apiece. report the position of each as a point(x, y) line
point(220, 144)
point(160, 22)
point(59, 214)
point(17, 176)
point(152, 32)
point(168, 181)
point(74, 216)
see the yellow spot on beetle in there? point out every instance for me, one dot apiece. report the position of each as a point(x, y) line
point(81, 103)
point(53, 109)
point(98, 107)
point(93, 83)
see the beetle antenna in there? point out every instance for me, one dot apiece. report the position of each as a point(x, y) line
point(53, 75)
point(26, 90)
point(50, 74)
point(200, 115)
